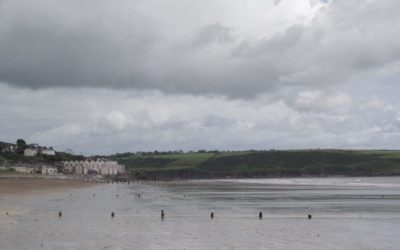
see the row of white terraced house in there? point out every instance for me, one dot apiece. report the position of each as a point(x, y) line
point(86, 167)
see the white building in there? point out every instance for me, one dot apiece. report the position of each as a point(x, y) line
point(50, 170)
point(48, 152)
point(35, 149)
point(102, 167)
point(27, 169)
point(30, 151)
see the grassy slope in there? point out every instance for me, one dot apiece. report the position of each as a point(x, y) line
point(165, 163)
point(267, 163)
point(2, 158)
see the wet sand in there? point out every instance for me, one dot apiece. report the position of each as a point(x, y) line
point(346, 214)
point(36, 184)
point(20, 186)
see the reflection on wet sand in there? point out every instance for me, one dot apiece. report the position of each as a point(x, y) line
point(245, 214)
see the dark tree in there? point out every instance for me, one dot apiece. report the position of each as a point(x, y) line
point(21, 146)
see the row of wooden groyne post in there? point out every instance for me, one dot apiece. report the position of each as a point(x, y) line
point(149, 182)
point(260, 215)
point(142, 182)
point(152, 182)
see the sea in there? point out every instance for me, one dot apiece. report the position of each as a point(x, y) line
point(346, 213)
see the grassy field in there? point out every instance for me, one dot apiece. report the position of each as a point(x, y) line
point(246, 164)
point(266, 163)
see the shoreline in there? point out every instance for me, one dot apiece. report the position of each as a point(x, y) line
point(261, 177)
point(22, 184)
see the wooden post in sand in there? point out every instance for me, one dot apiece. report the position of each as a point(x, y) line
point(309, 216)
point(260, 215)
point(112, 214)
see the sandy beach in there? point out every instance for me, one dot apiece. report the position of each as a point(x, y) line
point(13, 185)
point(33, 221)
point(19, 186)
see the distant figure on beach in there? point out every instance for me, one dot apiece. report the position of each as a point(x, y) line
point(260, 215)
point(162, 214)
point(309, 216)
point(59, 214)
point(212, 215)
point(112, 214)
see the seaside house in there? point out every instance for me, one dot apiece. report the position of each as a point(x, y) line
point(103, 167)
point(27, 169)
point(48, 151)
point(49, 170)
point(35, 149)
point(31, 152)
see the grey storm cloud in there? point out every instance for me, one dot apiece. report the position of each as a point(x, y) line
point(151, 45)
point(101, 76)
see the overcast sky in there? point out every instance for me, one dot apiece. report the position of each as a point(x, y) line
point(101, 76)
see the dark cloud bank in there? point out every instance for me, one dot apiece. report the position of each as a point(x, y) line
point(102, 44)
point(102, 77)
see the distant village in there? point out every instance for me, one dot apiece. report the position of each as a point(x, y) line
point(33, 149)
point(88, 166)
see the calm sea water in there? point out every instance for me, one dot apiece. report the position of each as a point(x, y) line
point(348, 213)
